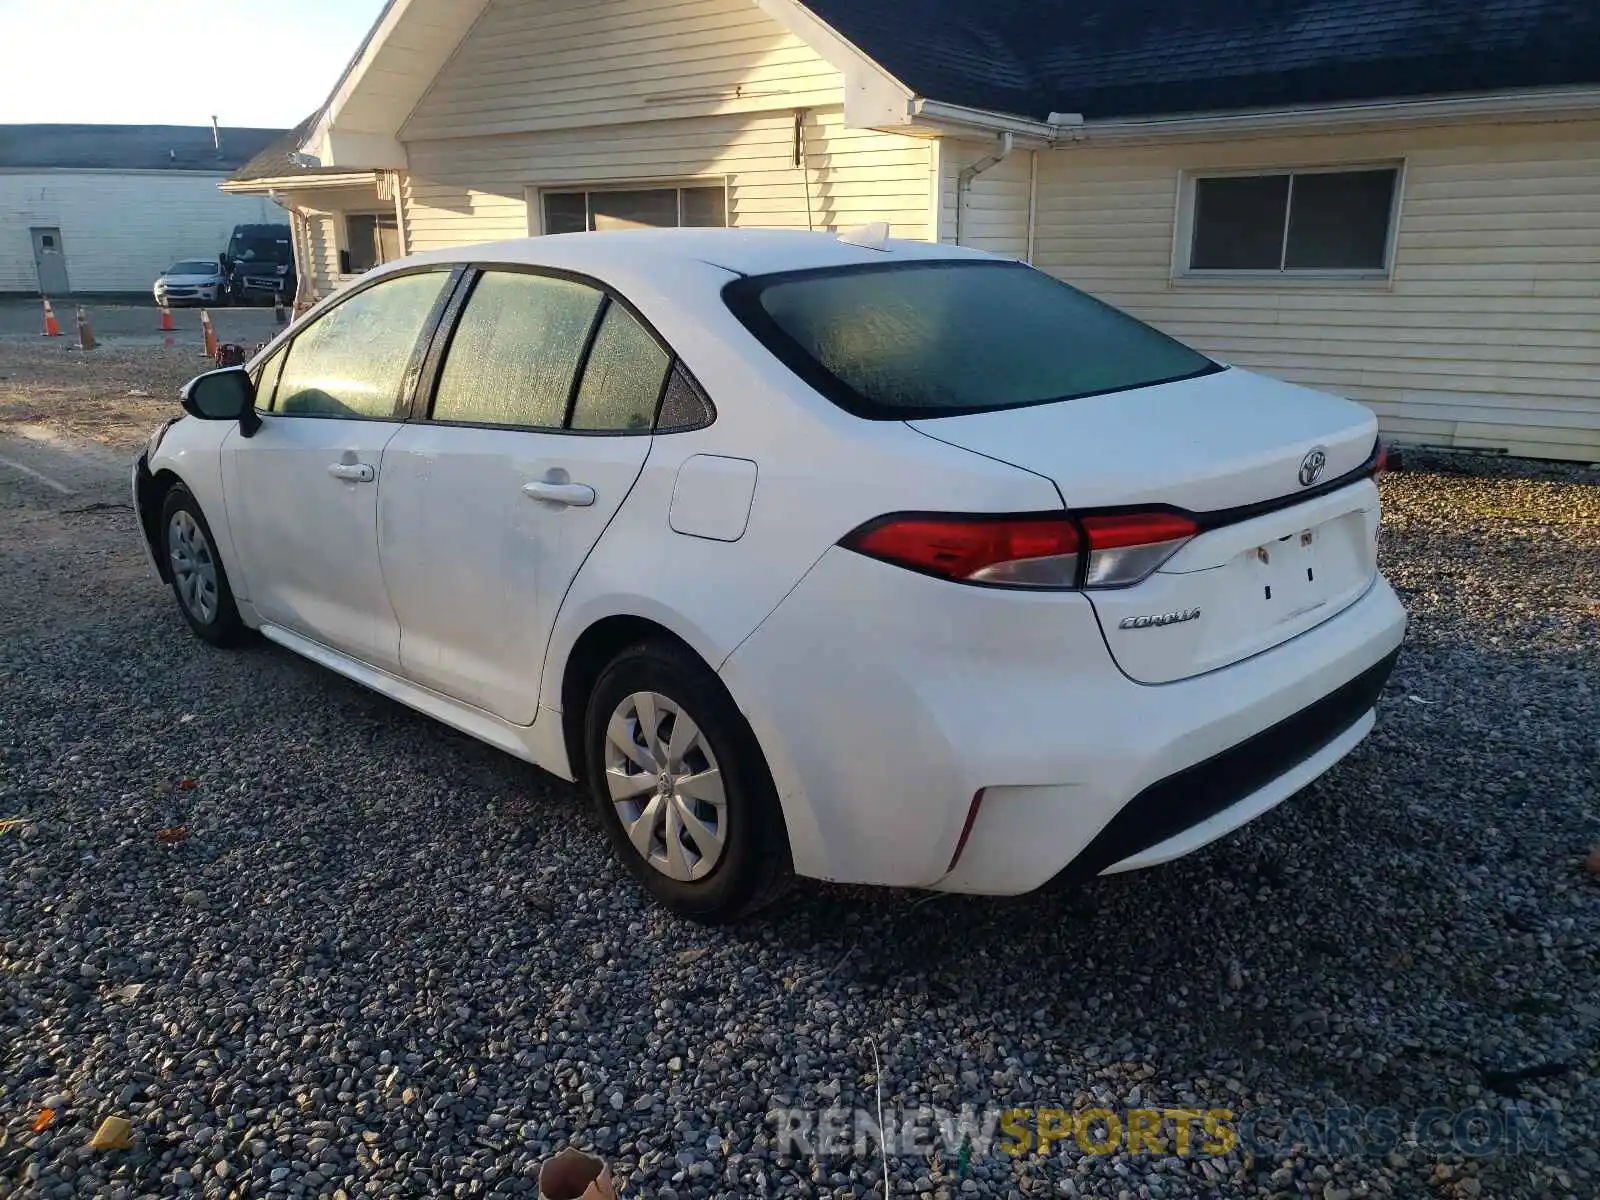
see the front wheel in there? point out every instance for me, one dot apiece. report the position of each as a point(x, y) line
point(199, 580)
point(681, 786)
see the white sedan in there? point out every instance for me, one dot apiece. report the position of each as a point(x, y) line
point(190, 281)
point(856, 559)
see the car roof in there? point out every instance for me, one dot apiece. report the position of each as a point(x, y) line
point(643, 252)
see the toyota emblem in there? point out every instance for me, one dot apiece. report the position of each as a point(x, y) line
point(1312, 466)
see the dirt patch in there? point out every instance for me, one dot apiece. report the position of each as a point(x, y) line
point(113, 396)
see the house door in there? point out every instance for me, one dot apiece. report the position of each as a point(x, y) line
point(51, 260)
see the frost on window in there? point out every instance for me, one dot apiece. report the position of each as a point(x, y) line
point(515, 351)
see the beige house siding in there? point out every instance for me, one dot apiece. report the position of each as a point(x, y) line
point(1486, 336)
point(551, 64)
point(464, 190)
point(994, 211)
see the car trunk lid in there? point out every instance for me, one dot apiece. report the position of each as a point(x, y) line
point(1283, 544)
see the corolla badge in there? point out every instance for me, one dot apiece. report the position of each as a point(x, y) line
point(1158, 619)
point(1312, 466)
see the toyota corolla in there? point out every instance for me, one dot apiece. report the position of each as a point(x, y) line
point(838, 557)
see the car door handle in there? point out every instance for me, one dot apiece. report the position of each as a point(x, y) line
point(352, 472)
point(575, 495)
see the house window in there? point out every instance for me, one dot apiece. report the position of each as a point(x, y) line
point(636, 208)
point(1324, 220)
point(371, 239)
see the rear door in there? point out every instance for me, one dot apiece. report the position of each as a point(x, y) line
point(302, 494)
point(539, 425)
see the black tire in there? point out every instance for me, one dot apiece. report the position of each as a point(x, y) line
point(754, 867)
point(219, 623)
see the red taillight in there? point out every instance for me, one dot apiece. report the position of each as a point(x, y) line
point(1380, 458)
point(1030, 551)
point(1126, 547)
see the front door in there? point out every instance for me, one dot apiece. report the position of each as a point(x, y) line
point(490, 507)
point(51, 260)
point(303, 492)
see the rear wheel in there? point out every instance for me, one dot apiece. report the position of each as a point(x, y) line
point(681, 786)
point(199, 580)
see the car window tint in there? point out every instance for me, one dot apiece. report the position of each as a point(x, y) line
point(351, 361)
point(516, 350)
point(623, 377)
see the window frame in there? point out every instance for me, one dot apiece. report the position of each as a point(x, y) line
point(536, 196)
point(1184, 227)
point(432, 368)
point(405, 394)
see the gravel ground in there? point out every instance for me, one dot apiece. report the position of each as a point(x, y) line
point(385, 960)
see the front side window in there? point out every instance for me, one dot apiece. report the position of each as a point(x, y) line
point(353, 360)
point(515, 351)
point(1291, 221)
point(265, 378)
point(636, 208)
point(942, 338)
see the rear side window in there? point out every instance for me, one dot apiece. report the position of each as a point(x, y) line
point(932, 339)
point(515, 351)
point(622, 379)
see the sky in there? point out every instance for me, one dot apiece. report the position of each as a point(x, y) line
point(174, 62)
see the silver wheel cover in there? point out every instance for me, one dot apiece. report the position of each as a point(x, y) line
point(194, 567)
point(666, 786)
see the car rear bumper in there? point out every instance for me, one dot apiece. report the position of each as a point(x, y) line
point(887, 701)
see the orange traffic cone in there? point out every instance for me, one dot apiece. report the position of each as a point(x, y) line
point(52, 327)
point(166, 325)
point(85, 331)
point(210, 335)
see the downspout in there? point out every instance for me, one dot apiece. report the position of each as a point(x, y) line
point(1033, 199)
point(1008, 143)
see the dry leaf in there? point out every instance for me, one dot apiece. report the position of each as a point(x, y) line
point(9, 824)
point(1592, 863)
point(172, 835)
point(45, 1119)
point(188, 783)
point(114, 1134)
point(685, 957)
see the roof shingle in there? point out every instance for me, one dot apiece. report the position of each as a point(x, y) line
point(1119, 58)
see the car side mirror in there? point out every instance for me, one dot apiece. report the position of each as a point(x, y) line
point(225, 395)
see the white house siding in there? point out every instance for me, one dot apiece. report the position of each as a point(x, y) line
point(554, 64)
point(1488, 334)
point(463, 190)
point(994, 209)
point(119, 229)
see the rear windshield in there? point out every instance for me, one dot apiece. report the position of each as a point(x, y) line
point(938, 339)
